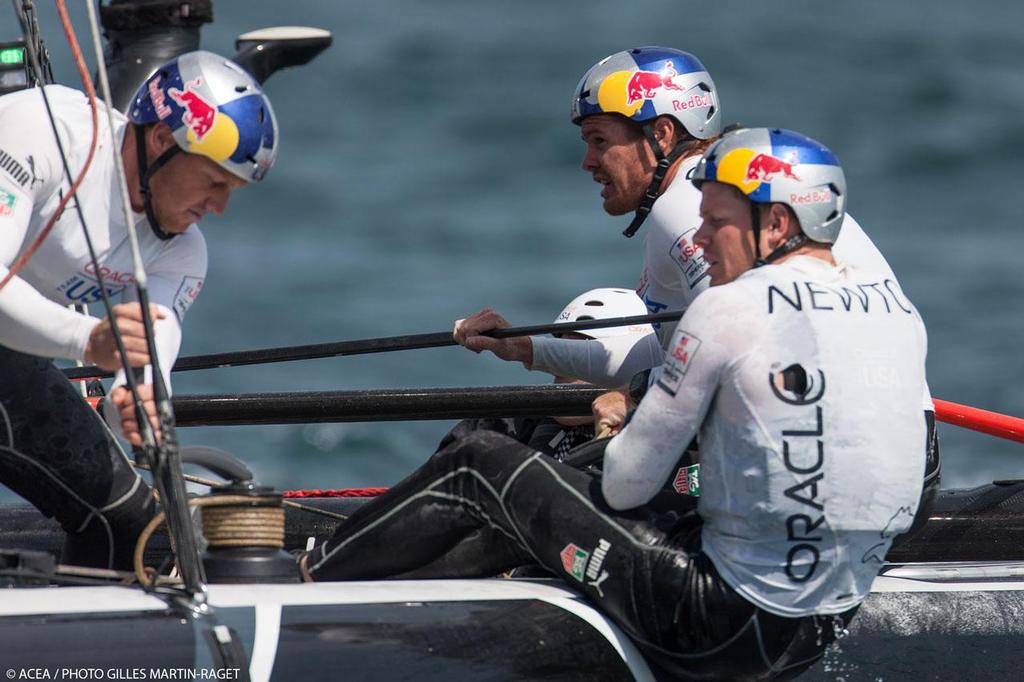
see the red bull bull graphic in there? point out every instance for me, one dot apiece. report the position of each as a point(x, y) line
point(199, 115)
point(209, 131)
point(625, 92)
point(644, 85)
point(747, 169)
point(765, 167)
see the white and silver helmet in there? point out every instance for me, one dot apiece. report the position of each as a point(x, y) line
point(646, 82)
point(772, 165)
point(214, 108)
point(605, 304)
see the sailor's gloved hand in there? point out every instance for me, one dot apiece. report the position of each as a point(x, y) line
point(467, 333)
point(101, 350)
point(609, 413)
point(121, 398)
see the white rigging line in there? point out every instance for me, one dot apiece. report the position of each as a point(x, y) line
point(101, 69)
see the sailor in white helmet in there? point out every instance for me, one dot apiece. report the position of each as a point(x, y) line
point(810, 466)
point(556, 436)
point(199, 128)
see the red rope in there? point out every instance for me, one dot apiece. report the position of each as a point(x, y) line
point(344, 492)
point(83, 72)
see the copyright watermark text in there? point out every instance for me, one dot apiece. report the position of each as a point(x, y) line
point(122, 674)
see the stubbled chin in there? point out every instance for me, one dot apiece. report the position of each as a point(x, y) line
point(614, 205)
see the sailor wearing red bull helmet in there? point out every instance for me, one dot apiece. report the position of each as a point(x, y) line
point(54, 450)
point(646, 115)
point(809, 468)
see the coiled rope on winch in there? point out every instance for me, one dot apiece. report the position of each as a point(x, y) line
point(249, 520)
point(244, 526)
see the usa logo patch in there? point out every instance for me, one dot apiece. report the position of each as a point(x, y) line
point(677, 361)
point(690, 258)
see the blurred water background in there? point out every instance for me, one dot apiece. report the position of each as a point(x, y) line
point(428, 169)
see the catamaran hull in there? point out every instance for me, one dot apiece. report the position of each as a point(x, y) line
point(950, 605)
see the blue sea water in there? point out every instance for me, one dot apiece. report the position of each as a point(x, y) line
point(428, 169)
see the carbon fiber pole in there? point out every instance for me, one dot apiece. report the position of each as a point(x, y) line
point(400, 404)
point(378, 345)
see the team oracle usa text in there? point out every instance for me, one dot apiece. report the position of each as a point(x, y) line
point(803, 454)
point(84, 287)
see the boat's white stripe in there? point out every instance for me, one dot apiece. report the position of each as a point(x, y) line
point(264, 643)
point(620, 642)
point(29, 601)
point(887, 584)
point(386, 592)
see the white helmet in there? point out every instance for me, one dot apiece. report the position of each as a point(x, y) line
point(604, 304)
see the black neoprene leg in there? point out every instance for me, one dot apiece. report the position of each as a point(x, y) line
point(540, 510)
point(486, 503)
point(55, 453)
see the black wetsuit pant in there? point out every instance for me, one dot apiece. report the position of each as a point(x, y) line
point(486, 503)
point(56, 453)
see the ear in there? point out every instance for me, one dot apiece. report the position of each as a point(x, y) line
point(159, 139)
point(665, 132)
point(778, 225)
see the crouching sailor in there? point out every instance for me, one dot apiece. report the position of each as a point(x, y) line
point(803, 378)
point(54, 450)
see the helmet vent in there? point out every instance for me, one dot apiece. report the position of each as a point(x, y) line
point(835, 190)
point(262, 115)
point(241, 88)
point(711, 112)
point(594, 303)
point(832, 216)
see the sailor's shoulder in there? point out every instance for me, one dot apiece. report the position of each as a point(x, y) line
point(185, 252)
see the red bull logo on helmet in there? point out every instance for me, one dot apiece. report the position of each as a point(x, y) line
point(765, 167)
point(625, 92)
point(818, 195)
point(159, 100)
point(199, 114)
point(746, 169)
point(645, 84)
point(209, 132)
point(694, 101)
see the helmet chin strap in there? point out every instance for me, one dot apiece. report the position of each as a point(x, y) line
point(145, 173)
point(654, 189)
point(791, 244)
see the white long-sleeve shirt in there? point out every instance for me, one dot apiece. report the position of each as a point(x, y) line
point(34, 317)
point(804, 381)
